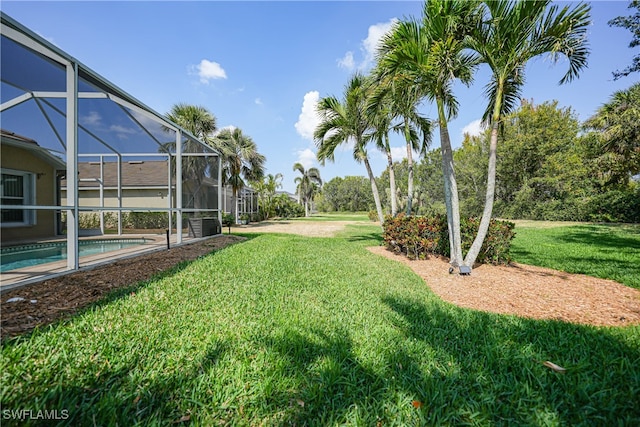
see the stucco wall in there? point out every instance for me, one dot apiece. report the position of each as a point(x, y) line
point(23, 160)
point(132, 198)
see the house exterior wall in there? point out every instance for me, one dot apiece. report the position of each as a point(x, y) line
point(131, 198)
point(19, 159)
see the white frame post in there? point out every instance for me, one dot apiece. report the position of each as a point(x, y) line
point(179, 186)
point(72, 166)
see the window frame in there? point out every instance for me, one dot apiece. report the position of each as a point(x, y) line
point(28, 198)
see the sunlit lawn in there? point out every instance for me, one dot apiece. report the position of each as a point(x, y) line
point(288, 330)
point(606, 251)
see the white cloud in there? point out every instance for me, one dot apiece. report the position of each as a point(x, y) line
point(308, 118)
point(258, 101)
point(92, 119)
point(122, 131)
point(347, 61)
point(474, 128)
point(374, 36)
point(209, 70)
point(306, 158)
point(398, 153)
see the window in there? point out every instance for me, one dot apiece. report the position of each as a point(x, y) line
point(17, 188)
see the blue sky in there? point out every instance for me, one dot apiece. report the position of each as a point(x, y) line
point(260, 66)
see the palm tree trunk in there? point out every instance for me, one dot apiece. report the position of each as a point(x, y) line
point(474, 250)
point(374, 189)
point(410, 167)
point(392, 181)
point(450, 191)
point(306, 207)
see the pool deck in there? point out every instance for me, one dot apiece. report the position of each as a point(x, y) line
point(24, 276)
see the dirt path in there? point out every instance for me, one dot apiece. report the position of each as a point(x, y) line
point(300, 227)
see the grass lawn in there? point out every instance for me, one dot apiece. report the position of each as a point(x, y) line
point(606, 251)
point(289, 330)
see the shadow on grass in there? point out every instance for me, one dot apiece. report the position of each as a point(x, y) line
point(494, 370)
point(599, 237)
point(460, 366)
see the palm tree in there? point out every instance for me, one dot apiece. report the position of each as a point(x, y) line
point(266, 189)
point(346, 121)
point(426, 57)
point(511, 34)
point(395, 98)
point(201, 123)
point(241, 161)
point(618, 124)
point(308, 185)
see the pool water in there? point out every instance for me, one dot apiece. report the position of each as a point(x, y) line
point(15, 257)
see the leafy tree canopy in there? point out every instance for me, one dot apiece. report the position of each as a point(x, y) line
point(631, 23)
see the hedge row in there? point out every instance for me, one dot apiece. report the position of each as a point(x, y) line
point(419, 236)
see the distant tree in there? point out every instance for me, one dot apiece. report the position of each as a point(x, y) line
point(471, 172)
point(241, 161)
point(542, 169)
point(631, 23)
point(618, 125)
point(350, 194)
point(309, 184)
point(266, 189)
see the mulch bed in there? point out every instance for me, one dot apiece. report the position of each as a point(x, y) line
point(63, 296)
point(529, 291)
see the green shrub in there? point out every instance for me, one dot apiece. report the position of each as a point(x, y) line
point(287, 208)
point(421, 236)
point(373, 216)
point(614, 206)
point(147, 220)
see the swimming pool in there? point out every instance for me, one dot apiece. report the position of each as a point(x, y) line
point(15, 257)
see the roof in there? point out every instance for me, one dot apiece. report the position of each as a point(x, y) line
point(148, 173)
point(15, 140)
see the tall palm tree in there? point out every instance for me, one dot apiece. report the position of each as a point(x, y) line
point(241, 161)
point(346, 121)
point(426, 57)
point(308, 185)
point(201, 123)
point(510, 34)
point(396, 98)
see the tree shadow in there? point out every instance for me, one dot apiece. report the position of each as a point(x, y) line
point(495, 370)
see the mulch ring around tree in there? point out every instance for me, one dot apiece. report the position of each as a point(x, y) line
point(529, 291)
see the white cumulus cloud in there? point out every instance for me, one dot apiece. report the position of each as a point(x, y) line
point(306, 158)
point(209, 70)
point(258, 101)
point(347, 61)
point(374, 36)
point(308, 118)
point(474, 128)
